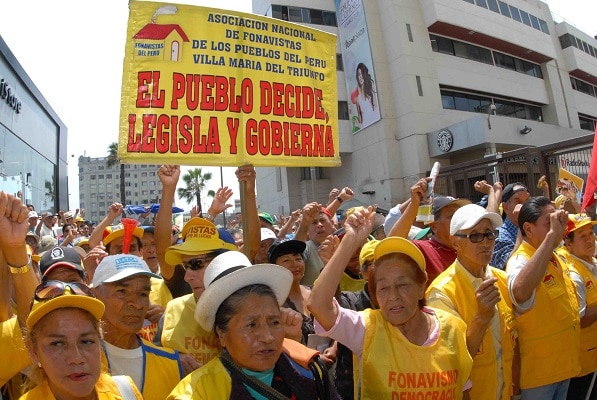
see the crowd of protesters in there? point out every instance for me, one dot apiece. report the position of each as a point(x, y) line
point(495, 300)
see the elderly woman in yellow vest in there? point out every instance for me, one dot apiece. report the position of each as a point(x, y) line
point(478, 293)
point(577, 252)
point(404, 349)
point(64, 344)
point(241, 303)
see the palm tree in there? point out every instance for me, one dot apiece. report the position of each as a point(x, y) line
point(111, 160)
point(195, 182)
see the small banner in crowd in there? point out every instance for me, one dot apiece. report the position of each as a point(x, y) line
point(203, 86)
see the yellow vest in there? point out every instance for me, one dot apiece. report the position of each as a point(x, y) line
point(105, 388)
point(162, 370)
point(588, 335)
point(181, 332)
point(549, 333)
point(455, 284)
point(349, 284)
point(160, 294)
point(212, 381)
point(393, 367)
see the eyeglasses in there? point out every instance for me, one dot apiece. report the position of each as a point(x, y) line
point(195, 264)
point(479, 237)
point(49, 290)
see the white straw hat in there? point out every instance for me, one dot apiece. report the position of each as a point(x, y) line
point(231, 271)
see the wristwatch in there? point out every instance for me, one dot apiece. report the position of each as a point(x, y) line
point(339, 199)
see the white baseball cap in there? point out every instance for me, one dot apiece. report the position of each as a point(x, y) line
point(120, 266)
point(469, 215)
point(267, 233)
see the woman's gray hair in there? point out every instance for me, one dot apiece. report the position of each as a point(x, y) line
point(230, 306)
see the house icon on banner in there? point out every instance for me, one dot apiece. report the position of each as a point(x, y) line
point(161, 42)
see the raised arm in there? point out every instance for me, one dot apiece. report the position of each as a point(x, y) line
point(357, 226)
point(96, 236)
point(289, 223)
point(406, 220)
point(168, 175)
point(13, 225)
point(252, 238)
point(533, 272)
point(310, 212)
point(346, 194)
point(218, 204)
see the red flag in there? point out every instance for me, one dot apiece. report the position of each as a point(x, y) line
point(588, 197)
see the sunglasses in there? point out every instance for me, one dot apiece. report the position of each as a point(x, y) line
point(479, 237)
point(49, 290)
point(195, 264)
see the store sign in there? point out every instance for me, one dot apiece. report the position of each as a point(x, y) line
point(7, 95)
point(445, 140)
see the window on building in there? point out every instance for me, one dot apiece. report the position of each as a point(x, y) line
point(481, 3)
point(493, 6)
point(295, 14)
point(316, 16)
point(504, 10)
point(543, 26)
point(515, 14)
point(587, 122)
point(525, 18)
point(566, 40)
point(480, 104)
point(306, 15)
point(343, 110)
point(329, 18)
point(583, 87)
point(535, 22)
point(339, 62)
point(143, 174)
point(100, 167)
point(100, 177)
point(92, 177)
point(306, 173)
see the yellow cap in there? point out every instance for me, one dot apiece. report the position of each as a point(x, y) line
point(367, 251)
point(577, 221)
point(398, 245)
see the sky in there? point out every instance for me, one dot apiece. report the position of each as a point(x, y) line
point(83, 86)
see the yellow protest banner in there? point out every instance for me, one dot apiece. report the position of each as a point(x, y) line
point(203, 86)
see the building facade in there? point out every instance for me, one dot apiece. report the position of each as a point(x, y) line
point(99, 186)
point(33, 153)
point(457, 80)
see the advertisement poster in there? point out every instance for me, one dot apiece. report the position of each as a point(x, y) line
point(569, 185)
point(203, 86)
point(363, 103)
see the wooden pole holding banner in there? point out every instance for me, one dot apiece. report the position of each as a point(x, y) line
point(245, 224)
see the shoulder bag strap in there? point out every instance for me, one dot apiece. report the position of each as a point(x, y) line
point(254, 383)
point(124, 386)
